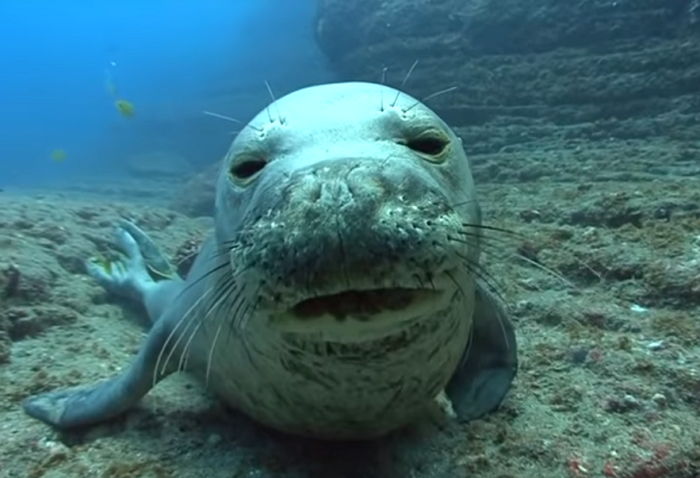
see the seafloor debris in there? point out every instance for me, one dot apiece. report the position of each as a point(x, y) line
point(10, 280)
point(5, 343)
point(26, 321)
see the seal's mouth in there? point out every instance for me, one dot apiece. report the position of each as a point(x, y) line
point(352, 314)
point(362, 305)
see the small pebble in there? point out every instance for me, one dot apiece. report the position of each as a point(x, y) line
point(638, 308)
point(660, 400)
point(630, 401)
point(55, 450)
point(655, 345)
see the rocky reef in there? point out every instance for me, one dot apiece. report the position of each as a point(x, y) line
point(539, 77)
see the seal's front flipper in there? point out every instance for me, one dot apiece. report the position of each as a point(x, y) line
point(490, 361)
point(159, 267)
point(90, 404)
point(125, 278)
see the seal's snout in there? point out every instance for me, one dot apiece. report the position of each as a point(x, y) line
point(348, 189)
point(353, 238)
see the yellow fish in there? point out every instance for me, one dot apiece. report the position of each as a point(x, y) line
point(125, 108)
point(58, 155)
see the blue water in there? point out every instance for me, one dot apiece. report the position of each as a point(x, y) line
point(170, 58)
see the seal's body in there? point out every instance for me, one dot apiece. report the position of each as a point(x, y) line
point(338, 295)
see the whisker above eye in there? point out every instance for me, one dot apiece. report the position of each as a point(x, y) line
point(430, 97)
point(274, 102)
point(232, 120)
point(223, 117)
point(403, 82)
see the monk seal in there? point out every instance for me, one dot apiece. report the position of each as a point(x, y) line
point(340, 291)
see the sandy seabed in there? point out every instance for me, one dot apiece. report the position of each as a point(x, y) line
point(609, 381)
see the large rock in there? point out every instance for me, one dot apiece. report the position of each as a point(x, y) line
point(532, 76)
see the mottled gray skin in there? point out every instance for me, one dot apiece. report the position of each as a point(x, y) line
point(337, 296)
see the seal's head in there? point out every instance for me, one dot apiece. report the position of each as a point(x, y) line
point(348, 203)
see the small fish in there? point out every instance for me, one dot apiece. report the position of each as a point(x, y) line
point(58, 155)
point(125, 108)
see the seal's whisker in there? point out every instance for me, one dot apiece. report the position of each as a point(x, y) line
point(228, 247)
point(546, 269)
point(475, 242)
point(381, 91)
point(241, 321)
point(461, 203)
point(224, 294)
point(495, 244)
point(430, 97)
point(223, 117)
point(173, 348)
point(486, 277)
point(182, 363)
point(184, 357)
point(213, 270)
point(236, 304)
point(477, 239)
point(247, 312)
point(383, 78)
point(440, 92)
point(211, 353)
point(405, 79)
point(481, 273)
point(232, 120)
point(186, 328)
point(408, 73)
point(468, 348)
point(269, 91)
point(274, 102)
point(502, 325)
point(226, 282)
point(166, 343)
point(220, 253)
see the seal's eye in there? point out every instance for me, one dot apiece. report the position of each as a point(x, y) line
point(247, 168)
point(431, 145)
